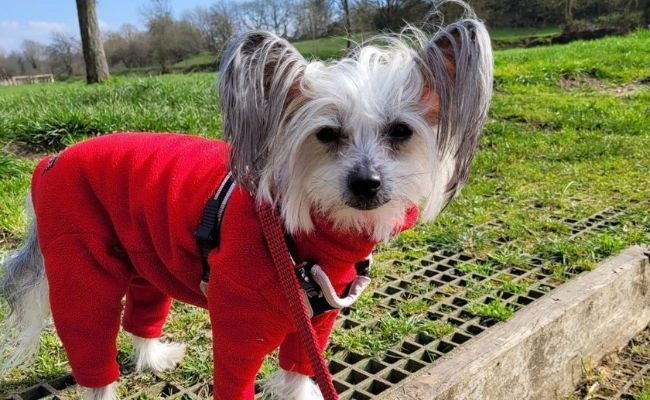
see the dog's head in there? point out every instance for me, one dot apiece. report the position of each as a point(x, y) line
point(363, 139)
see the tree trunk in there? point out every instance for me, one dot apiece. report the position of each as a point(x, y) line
point(348, 27)
point(91, 41)
point(568, 12)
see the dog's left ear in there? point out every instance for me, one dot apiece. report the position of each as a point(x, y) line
point(259, 75)
point(458, 69)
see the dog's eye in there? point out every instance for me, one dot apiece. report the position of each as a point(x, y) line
point(399, 132)
point(328, 135)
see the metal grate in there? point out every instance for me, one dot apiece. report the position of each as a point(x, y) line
point(438, 278)
point(448, 283)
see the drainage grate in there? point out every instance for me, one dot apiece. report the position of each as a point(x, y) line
point(450, 285)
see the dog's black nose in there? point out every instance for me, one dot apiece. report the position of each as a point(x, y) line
point(364, 182)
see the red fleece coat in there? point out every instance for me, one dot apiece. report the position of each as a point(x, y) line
point(116, 215)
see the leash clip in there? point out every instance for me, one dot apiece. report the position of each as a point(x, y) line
point(318, 292)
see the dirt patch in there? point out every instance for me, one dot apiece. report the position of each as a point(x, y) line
point(585, 82)
point(9, 240)
point(24, 151)
point(622, 375)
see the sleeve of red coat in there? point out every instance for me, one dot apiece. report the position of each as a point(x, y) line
point(293, 356)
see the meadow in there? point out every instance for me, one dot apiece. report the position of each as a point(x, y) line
point(568, 136)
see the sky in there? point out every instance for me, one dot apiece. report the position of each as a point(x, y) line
point(38, 19)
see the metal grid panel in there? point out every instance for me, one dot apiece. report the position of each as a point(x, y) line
point(439, 280)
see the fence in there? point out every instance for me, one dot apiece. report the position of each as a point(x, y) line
point(26, 79)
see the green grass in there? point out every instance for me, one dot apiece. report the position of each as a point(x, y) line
point(329, 47)
point(196, 60)
point(495, 309)
point(519, 33)
point(567, 136)
point(46, 118)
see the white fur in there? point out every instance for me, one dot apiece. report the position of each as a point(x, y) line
point(286, 385)
point(28, 295)
point(104, 393)
point(155, 355)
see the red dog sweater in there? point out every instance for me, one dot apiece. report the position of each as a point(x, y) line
point(115, 217)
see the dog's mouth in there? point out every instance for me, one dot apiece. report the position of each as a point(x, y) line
point(364, 204)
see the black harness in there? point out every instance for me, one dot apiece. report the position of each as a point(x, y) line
point(208, 238)
point(208, 233)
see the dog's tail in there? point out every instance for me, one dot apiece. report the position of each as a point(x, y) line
point(26, 290)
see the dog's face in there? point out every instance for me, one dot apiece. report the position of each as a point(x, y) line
point(363, 139)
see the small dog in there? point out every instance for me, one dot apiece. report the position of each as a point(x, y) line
point(349, 152)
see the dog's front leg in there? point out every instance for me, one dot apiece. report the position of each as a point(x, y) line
point(107, 392)
point(245, 328)
point(156, 355)
point(287, 385)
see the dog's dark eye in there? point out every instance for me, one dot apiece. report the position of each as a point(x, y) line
point(399, 132)
point(328, 135)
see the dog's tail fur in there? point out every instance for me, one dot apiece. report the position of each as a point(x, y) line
point(26, 290)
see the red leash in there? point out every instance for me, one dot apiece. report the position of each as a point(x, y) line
point(274, 235)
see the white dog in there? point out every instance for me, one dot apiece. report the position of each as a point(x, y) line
point(349, 152)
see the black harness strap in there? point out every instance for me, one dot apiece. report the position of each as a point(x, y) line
point(208, 233)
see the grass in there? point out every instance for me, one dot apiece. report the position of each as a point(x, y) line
point(567, 136)
point(514, 34)
point(46, 118)
point(495, 309)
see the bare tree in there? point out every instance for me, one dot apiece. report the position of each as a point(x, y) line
point(317, 16)
point(215, 25)
point(128, 47)
point(63, 54)
point(159, 26)
point(362, 15)
point(91, 42)
point(345, 7)
point(34, 54)
point(9, 64)
point(568, 11)
point(170, 41)
point(273, 15)
point(393, 14)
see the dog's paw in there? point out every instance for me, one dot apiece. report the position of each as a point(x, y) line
point(286, 385)
point(103, 393)
point(156, 355)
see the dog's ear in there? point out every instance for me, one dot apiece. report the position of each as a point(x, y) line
point(259, 75)
point(458, 68)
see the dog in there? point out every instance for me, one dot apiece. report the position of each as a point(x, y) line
point(349, 152)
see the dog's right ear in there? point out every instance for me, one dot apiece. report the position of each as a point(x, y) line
point(458, 67)
point(259, 74)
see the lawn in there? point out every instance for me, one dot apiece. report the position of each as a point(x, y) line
point(567, 137)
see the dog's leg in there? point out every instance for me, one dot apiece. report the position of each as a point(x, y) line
point(87, 284)
point(288, 385)
point(145, 314)
point(156, 355)
point(107, 392)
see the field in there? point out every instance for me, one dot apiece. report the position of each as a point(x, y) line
point(568, 136)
